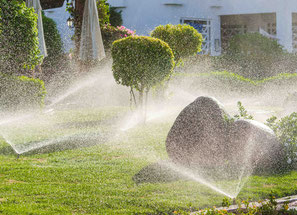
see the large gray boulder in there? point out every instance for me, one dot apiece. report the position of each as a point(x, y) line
point(202, 136)
point(256, 146)
point(198, 134)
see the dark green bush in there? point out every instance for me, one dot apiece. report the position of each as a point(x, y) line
point(255, 56)
point(20, 92)
point(52, 37)
point(184, 40)
point(141, 62)
point(19, 37)
point(253, 44)
point(115, 17)
point(55, 60)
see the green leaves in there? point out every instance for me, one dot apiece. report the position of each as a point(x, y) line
point(141, 62)
point(19, 37)
point(286, 130)
point(256, 56)
point(184, 40)
point(242, 112)
point(19, 92)
point(103, 12)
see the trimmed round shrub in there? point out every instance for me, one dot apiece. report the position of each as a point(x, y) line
point(141, 62)
point(19, 49)
point(20, 92)
point(184, 40)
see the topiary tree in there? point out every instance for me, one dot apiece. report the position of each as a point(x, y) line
point(184, 40)
point(141, 62)
point(19, 50)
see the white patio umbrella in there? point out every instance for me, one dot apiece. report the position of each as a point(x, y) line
point(91, 44)
point(37, 8)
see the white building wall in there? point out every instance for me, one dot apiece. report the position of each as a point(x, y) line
point(144, 15)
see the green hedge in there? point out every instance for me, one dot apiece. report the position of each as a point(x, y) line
point(19, 49)
point(20, 92)
point(255, 56)
point(226, 82)
point(56, 59)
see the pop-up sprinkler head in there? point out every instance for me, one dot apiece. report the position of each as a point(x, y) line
point(18, 156)
point(234, 201)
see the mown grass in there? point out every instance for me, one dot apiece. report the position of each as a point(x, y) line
point(99, 179)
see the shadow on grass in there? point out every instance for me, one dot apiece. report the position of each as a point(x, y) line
point(6, 150)
point(58, 144)
point(160, 173)
point(156, 173)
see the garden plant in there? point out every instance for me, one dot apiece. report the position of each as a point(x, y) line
point(141, 63)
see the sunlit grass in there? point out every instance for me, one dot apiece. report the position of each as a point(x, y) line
point(99, 179)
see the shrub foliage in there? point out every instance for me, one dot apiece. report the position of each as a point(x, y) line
point(18, 37)
point(141, 62)
point(111, 34)
point(286, 130)
point(184, 40)
point(20, 92)
point(103, 12)
point(256, 56)
point(253, 44)
point(235, 84)
point(55, 59)
point(115, 17)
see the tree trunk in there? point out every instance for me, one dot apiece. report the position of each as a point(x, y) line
point(145, 104)
point(141, 91)
point(132, 98)
point(141, 98)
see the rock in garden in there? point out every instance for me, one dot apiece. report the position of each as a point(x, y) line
point(198, 135)
point(255, 145)
point(202, 136)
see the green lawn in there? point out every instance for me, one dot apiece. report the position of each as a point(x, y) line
point(98, 179)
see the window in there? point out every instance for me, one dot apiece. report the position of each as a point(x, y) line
point(203, 27)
